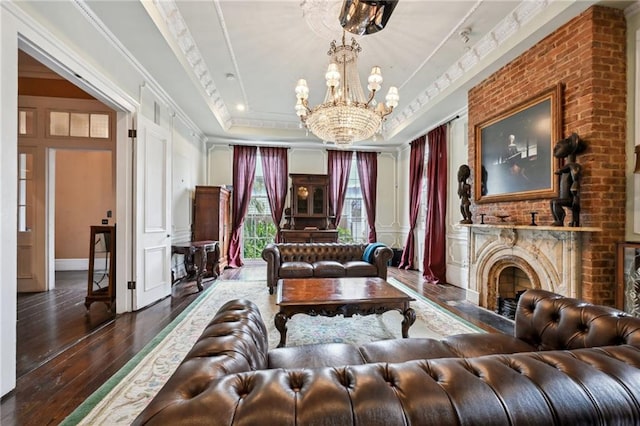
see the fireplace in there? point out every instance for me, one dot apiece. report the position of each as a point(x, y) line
point(507, 259)
point(512, 283)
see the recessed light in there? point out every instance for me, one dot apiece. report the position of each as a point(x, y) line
point(240, 107)
point(230, 76)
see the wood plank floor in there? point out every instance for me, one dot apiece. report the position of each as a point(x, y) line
point(65, 353)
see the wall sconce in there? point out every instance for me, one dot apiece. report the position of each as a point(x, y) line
point(637, 168)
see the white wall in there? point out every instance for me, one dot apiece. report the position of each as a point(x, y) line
point(8, 195)
point(402, 198)
point(188, 170)
point(457, 235)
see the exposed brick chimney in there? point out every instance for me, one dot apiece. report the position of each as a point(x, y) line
point(588, 56)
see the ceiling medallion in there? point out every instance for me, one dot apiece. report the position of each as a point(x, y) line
point(346, 115)
point(320, 16)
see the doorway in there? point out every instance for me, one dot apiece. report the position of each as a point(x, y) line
point(66, 183)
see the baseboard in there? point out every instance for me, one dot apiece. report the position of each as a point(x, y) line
point(72, 264)
point(473, 297)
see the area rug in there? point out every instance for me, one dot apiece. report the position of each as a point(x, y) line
point(125, 395)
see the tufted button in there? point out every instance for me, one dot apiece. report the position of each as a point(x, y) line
point(620, 340)
point(344, 378)
point(296, 380)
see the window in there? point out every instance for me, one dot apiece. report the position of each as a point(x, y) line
point(353, 226)
point(258, 229)
point(79, 125)
point(425, 184)
point(26, 122)
point(25, 192)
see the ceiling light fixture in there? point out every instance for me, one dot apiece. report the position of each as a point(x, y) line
point(366, 16)
point(345, 116)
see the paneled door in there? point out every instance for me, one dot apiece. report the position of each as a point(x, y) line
point(31, 217)
point(152, 216)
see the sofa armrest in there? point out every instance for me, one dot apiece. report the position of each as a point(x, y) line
point(235, 341)
point(381, 258)
point(271, 254)
point(550, 321)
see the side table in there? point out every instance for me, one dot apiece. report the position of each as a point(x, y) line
point(200, 258)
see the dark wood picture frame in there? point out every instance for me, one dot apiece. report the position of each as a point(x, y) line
point(514, 150)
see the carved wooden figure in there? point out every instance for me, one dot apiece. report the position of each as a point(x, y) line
point(464, 192)
point(569, 180)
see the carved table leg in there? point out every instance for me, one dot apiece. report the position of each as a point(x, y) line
point(409, 318)
point(281, 326)
point(214, 259)
point(201, 255)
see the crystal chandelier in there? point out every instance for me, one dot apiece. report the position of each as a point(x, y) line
point(346, 115)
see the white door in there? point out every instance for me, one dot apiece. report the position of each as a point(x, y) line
point(152, 268)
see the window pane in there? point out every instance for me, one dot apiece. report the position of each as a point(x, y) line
point(25, 165)
point(25, 122)
point(59, 123)
point(79, 125)
point(258, 229)
point(25, 191)
point(22, 218)
point(99, 126)
point(352, 226)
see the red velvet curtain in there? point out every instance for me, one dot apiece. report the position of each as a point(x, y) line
point(434, 262)
point(368, 173)
point(244, 170)
point(339, 167)
point(276, 175)
point(416, 170)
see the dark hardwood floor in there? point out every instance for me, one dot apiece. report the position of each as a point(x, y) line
point(65, 353)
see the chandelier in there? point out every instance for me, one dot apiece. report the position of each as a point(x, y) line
point(346, 115)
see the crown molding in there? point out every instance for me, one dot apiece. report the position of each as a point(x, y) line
point(176, 32)
point(488, 44)
point(149, 82)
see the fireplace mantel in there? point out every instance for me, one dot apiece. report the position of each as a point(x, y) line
point(549, 255)
point(532, 227)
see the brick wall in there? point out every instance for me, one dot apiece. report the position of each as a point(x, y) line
point(586, 55)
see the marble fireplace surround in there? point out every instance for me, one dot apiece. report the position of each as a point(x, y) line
point(550, 257)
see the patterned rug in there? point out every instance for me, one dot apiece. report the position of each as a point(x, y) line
point(122, 397)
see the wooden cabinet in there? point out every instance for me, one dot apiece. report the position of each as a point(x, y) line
point(309, 195)
point(309, 236)
point(309, 201)
point(212, 220)
point(309, 219)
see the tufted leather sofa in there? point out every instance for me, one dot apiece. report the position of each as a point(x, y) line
point(325, 260)
point(568, 362)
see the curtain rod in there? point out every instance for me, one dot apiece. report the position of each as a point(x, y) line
point(258, 146)
point(338, 149)
point(445, 122)
point(288, 147)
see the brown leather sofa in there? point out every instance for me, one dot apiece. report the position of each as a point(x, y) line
point(325, 260)
point(568, 363)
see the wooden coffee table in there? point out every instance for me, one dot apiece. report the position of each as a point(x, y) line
point(340, 296)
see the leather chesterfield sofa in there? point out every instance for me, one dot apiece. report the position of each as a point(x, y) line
point(568, 363)
point(325, 260)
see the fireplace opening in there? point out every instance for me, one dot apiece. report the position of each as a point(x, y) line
point(512, 282)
